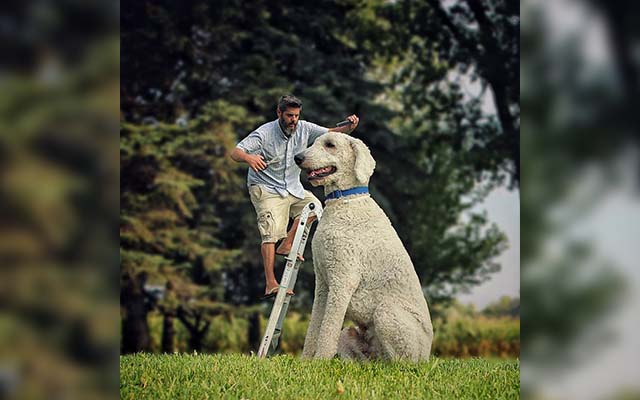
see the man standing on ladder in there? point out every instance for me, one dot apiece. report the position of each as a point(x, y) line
point(273, 178)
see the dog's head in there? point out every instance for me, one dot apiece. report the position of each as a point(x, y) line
point(337, 162)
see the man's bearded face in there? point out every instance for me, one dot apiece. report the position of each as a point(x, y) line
point(289, 119)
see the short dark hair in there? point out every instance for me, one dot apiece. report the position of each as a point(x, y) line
point(289, 101)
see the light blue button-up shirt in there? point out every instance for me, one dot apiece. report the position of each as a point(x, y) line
point(282, 175)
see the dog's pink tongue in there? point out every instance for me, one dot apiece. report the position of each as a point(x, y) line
point(319, 171)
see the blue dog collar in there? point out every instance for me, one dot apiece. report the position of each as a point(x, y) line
point(341, 193)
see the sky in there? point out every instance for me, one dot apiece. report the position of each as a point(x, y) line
point(503, 209)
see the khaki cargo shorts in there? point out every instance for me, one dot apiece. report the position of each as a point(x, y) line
point(274, 211)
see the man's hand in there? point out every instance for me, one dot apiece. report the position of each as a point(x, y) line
point(354, 122)
point(347, 128)
point(256, 162)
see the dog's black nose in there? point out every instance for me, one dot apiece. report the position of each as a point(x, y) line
point(299, 158)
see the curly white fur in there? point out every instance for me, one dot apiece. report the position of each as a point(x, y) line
point(363, 271)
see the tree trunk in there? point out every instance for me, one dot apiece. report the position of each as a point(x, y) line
point(168, 333)
point(254, 333)
point(196, 332)
point(195, 340)
point(135, 329)
point(507, 121)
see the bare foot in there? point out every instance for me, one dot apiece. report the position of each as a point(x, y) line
point(284, 250)
point(271, 292)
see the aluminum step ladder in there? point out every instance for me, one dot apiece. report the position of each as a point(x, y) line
point(274, 327)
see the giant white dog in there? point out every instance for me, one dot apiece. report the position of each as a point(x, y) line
point(363, 271)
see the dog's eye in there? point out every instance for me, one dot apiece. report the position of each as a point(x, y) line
point(330, 145)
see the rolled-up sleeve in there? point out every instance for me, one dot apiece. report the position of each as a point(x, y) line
point(251, 144)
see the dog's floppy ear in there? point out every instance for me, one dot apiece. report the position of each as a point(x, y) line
point(364, 164)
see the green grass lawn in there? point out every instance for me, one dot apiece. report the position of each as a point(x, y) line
point(236, 376)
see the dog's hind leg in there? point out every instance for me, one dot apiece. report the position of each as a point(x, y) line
point(353, 345)
point(399, 334)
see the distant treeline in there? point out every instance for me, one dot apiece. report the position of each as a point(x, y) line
point(460, 331)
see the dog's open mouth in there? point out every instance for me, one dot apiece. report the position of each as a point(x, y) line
point(320, 173)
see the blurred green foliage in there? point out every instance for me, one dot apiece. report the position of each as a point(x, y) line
point(59, 201)
point(461, 331)
point(504, 307)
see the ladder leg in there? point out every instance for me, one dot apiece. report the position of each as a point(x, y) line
point(275, 338)
point(281, 303)
point(292, 282)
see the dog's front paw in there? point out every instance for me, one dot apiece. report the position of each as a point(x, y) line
point(324, 354)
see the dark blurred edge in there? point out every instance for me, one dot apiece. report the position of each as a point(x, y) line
point(59, 79)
